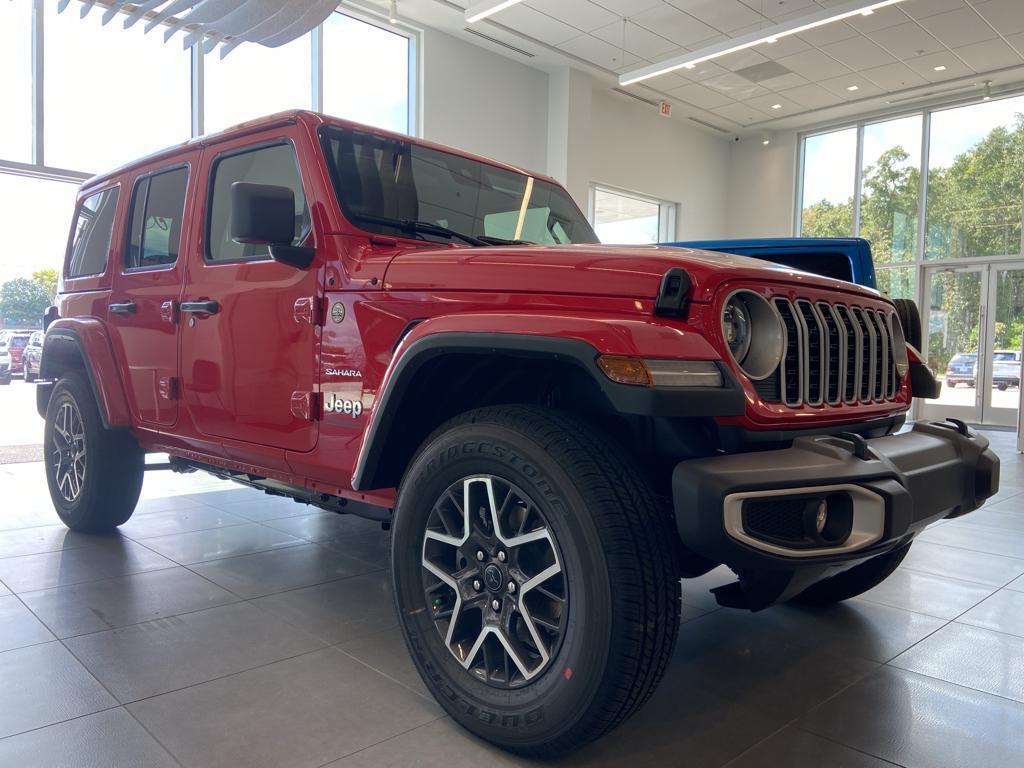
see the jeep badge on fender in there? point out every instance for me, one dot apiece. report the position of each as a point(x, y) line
point(557, 430)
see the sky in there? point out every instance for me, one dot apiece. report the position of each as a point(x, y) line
point(830, 159)
point(100, 113)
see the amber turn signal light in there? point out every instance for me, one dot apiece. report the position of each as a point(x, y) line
point(625, 370)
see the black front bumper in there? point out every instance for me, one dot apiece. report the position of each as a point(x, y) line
point(933, 471)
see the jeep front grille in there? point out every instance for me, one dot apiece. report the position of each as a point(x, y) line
point(835, 354)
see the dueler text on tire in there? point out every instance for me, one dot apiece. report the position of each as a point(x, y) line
point(854, 581)
point(94, 474)
point(535, 577)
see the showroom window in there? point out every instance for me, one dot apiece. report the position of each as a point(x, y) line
point(367, 71)
point(16, 83)
point(625, 218)
point(974, 187)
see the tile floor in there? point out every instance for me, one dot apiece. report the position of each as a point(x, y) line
point(226, 628)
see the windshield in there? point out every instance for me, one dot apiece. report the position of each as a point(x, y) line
point(18, 341)
point(1005, 357)
point(395, 187)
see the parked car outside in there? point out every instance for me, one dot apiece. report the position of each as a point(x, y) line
point(1006, 368)
point(5, 363)
point(554, 431)
point(33, 356)
point(962, 369)
point(16, 340)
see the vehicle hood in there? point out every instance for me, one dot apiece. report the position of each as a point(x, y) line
point(606, 270)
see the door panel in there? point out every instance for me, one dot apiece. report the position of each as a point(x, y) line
point(146, 287)
point(1006, 324)
point(247, 357)
point(953, 337)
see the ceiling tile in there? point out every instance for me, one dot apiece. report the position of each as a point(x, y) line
point(776, 9)
point(792, 80)
point(535, 24)
point(740, 113)
point(699, 96)
point(840, 86)
point(1017, 41)
point(741, 59)
point(723, 15)
point(813, 65)
point(956, 28)
point(905, 41)
point(785, 46)
point(880, 19)
point(858, 53)
point(830, 33)
point(894, 77)
point(624, 8)
point(921, 9)
point(671, 23)
point(598, 52)
point(703, 71)
point(582, 14)
point(735, 86)
point(1007, 16)
point(765, 104)
point(635, 39)
point(987, 56)
point(925, 67)
point(811, 96)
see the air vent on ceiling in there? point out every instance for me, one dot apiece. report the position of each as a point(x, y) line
point(706, 124)
point(502, 43)
point(651, 102)
point(767, 70)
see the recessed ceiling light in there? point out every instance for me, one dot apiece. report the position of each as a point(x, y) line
point(771, 34)
point(853, 87)
point(776, 106)
point(940, 68)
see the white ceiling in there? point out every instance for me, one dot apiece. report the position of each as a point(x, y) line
point(890, 55)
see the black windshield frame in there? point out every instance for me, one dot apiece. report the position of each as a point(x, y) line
point(572, 225)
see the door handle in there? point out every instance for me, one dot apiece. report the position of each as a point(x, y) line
point(207, 307)
point(122, 308)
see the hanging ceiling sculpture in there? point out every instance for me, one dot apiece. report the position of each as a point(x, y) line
point(228, 23)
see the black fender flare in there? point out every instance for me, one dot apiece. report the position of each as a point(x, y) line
point(728, 400)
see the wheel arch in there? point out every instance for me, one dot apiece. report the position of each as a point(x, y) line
point(83, 344)
point(439, 375)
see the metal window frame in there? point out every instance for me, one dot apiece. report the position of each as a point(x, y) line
point(38, 168)
point(668, 212)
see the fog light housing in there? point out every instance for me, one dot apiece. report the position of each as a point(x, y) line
point(641, 372)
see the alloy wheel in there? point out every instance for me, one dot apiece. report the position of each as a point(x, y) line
point(68, 451)
point(493, 581)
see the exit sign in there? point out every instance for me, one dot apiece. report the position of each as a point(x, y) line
point(665, 109)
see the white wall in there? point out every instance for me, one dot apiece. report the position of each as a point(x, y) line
point(484, 103)
point(762, 186)
point(635, 149)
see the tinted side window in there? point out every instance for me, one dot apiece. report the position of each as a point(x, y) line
point(268, 165)
point(91, 235)
point(158, 207)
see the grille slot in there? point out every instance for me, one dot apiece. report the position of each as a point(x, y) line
point(834, 354)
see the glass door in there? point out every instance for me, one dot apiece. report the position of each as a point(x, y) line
point(1005, 323)
point(954, 333)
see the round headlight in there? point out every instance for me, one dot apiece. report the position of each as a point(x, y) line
point(753, 331)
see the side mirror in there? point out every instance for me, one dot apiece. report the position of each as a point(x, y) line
point(264, 214)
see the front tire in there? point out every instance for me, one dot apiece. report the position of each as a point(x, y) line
point(94, 474)
point(576, 633)
point(855, 581)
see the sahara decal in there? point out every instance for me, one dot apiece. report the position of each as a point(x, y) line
point(335, 404)
point(344, 373)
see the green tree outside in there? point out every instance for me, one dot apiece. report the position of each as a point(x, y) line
point(22, 302)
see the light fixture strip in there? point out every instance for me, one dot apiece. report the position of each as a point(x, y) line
point(766, 35)
point(479, 11)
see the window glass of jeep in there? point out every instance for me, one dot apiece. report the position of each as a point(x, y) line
point(275, 164)
point(384, 184)
point(91, 234)
point(158, 206)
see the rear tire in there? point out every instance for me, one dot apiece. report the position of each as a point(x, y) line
point(855, 581)
point(610, 609)
point(94, 474)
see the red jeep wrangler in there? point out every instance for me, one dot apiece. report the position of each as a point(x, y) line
point(555, 431)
